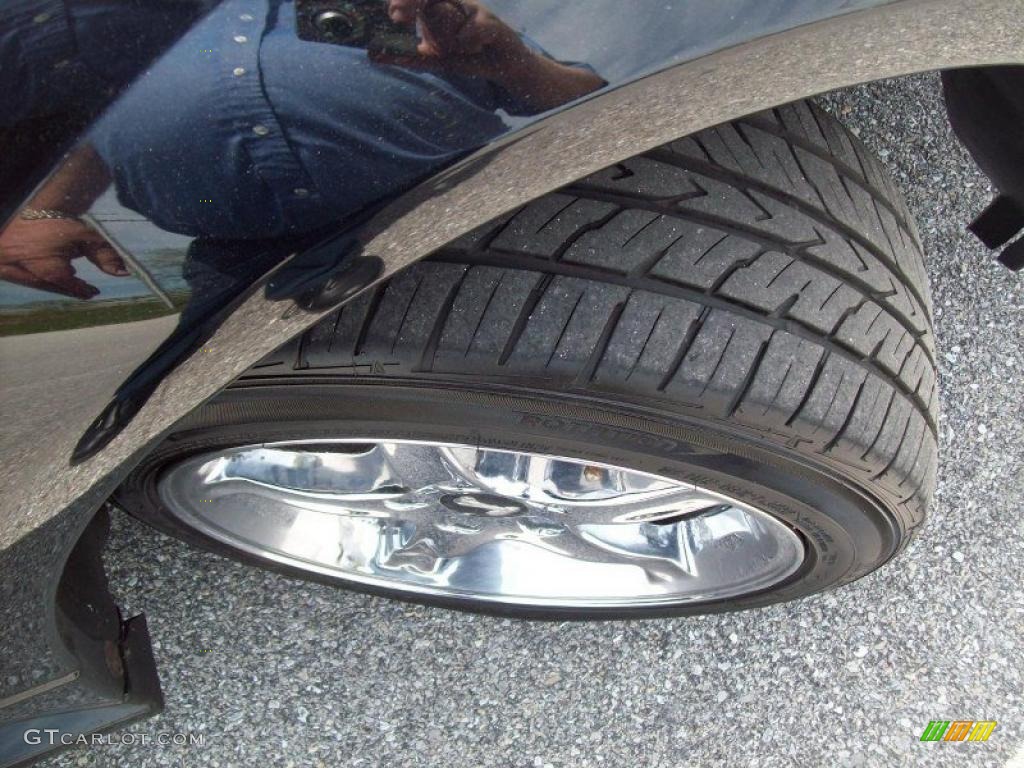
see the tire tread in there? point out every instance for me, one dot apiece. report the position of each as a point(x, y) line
point(764, 274)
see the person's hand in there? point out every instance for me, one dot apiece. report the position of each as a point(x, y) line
point(462, 37)
point(457, 36)
point(38, 254)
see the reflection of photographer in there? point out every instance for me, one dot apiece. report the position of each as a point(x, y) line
point(459, 37)
point(251, 130)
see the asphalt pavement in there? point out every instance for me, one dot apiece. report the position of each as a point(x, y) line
point(272, 671)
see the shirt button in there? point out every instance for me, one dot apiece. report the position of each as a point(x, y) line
point(260, 130)
point(240, 39)
point(238, 71)
point(301, 192)
point(246, 17)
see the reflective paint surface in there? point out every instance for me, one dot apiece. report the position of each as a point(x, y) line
point(482, 524)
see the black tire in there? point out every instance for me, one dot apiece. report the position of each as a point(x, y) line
point(746, 308)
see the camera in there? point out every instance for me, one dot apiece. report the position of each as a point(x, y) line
point(354, 23)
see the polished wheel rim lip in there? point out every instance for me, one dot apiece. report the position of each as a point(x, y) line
point(450, 520)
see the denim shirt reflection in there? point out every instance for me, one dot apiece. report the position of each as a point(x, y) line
point(245, 137)
point(244, 131)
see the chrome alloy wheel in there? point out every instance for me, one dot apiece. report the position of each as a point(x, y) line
point(488, 525)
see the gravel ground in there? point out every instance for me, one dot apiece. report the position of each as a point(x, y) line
point(277, 672)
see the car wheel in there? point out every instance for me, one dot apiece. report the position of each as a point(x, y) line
point(701, 379)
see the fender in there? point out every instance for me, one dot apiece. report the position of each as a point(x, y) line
point(61, 461)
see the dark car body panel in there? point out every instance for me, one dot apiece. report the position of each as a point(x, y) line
point(89, 389)
point(986, 109)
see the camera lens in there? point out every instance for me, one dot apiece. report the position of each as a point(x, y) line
point(341, 26)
